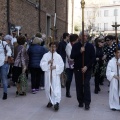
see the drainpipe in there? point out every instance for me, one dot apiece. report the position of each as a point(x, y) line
point(39, 15)
point(8, 16)
point(72, 16)
point(66, 16)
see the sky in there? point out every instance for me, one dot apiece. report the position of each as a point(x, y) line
point(87, 2)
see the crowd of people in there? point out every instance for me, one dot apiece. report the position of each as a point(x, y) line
point(52, 66)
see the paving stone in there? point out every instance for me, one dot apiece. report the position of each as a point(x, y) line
point(33, 106)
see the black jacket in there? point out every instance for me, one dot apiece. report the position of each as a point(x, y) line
point(89, 55)
point(61, 50)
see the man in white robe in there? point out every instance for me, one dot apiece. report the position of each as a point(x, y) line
point(113, 77)
point(52, 86)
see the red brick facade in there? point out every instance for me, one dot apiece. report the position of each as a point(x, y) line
point(25, 14)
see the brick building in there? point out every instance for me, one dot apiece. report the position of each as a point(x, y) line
point(33, 16)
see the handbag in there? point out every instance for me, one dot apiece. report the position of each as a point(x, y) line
point(10, 59)
point(70, 63)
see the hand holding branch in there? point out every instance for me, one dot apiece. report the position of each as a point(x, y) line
point(50, 61)
point(52, 67)
point(82, 49)
point(84, 69)
point(118, 64)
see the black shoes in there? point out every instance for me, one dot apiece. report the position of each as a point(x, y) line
point(68, 95)
point(87, 107)
point(56, 106)
point(49, 105)
point(101, 84)
point(113, 109)
point(80, 105)
point(4, 96)
point(97, 90)
point(63, 86)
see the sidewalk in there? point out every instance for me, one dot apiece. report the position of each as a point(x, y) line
point(33, 106)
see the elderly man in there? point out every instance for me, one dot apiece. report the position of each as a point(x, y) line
point(83, 82)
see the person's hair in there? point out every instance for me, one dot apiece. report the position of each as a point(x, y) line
point(8, 37)
point(109, 37)
point(53, 43)
point(25, 34)
point(38, 34)
point(65, 35)
point(36, 40)
point(73, 37)
point(97, 40)
point(1, 36)
point(85, 32)
point(115, 50)
point(21, 40)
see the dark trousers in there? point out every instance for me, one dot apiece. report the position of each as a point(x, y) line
point(98, 78)
point(35, 77)
point(42, 79)
point(16, 73)
point(69, 79)
point(83, 91)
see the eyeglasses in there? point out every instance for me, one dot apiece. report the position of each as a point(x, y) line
point(108, 40)
point(102, 42)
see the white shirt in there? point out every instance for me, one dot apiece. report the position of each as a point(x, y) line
point(68, 53)
point(13, 40)
point(2, 54)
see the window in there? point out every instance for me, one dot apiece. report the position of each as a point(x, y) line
point(113, 23)
point(89, 13)
point(106, 13)
point(115, 12)
point(105, 26)
point(99, 13)
point(99, 26)
point(48, 31)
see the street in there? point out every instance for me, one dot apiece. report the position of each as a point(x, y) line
point(33, 106)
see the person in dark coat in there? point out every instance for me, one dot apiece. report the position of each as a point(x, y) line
point(83, 83)
point(99, 61)
point(35, 52)
point(61, 51)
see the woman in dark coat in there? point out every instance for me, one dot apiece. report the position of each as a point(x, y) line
point(98, 63)
point(35, 52)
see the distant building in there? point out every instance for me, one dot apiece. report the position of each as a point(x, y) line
point(99, 17)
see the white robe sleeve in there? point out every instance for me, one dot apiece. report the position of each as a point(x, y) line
point(110, 72)
point(59, 66)
point(44, 63)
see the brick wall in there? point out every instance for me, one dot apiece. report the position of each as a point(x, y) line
point(3, 18)
point(24, 14)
